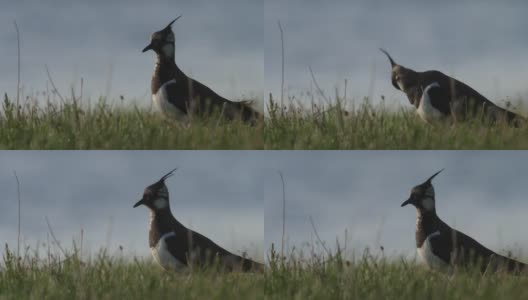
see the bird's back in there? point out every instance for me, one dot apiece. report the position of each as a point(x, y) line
point(202, 251)
point(468, 252)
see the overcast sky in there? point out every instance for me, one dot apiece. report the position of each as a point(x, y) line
point(219, 43)
point(215, 193)
point(235, 197)
point(234, 45)
point(483, 194)
point(482, 43)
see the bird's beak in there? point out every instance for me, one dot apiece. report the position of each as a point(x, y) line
point(149, 47)
point(408, 201)
point(140, 202)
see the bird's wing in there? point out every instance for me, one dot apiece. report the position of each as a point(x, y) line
point(189, 246)
point(455, 87)
point(472, 100)
point(439, 99)
point(207, 94)
point(468, 92)
point(178, 247)
point(486, 258)
point(191, 95)
point(177, 94)
point(441, 246)
point(205, 251)
point(448, 246)
point(201, 251)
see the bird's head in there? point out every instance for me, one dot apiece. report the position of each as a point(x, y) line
point(156, 195)
point(423, 196)
point(402, 78)
point(162, 42)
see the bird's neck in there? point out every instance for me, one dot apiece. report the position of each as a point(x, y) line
point(423, 215)
point(166, 66)
point(163, 59)
point(163, 213)
point(165, 69)
point(161, 222)
point(163, 218)
point(426, 224)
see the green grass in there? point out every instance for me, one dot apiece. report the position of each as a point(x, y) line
point(297, 277)
point(105, 126)
point(377, 277)
point(376, 127)
point(106, 277)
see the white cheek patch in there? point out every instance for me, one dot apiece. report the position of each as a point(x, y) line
point(168, 50)
point(428, 204)
point(160, 203)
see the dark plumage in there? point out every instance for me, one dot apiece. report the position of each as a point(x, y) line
point(441, 246)
point(456, 99)
point(188, 96)
point(174, 245)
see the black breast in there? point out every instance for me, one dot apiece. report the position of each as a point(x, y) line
point(158, 227)
point(426, 224)
point(164, 71)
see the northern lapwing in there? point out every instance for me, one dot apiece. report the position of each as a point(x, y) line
point(175, 247)
point(442, 247)
point(446, 97)
point(178, 96)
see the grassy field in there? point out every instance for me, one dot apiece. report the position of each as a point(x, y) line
point(104, 126)
point(369, 126)
point(298, 277)
point(371, 277)
point(105, 277)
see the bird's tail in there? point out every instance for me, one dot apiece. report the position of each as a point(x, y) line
point(505, 264)
point(242, 110)
point(516, 266)
point(515, 119)
point(233, 262)
point(249, 265)
point(497, 114)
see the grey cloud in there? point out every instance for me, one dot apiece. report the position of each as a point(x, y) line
point(219, 43)
point(95, 191)
point(340, 40)
point(361, 191)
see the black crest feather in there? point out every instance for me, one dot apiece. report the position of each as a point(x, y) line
point(168, 175)
point(388, 55)
point(170, 24)
point(434, 175)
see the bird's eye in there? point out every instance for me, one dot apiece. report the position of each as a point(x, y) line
point(397, 77)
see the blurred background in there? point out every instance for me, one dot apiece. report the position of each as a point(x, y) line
point(235, 197)
point(218, 43)
point(218, 194)
point(481, 43)
point(481, 193)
